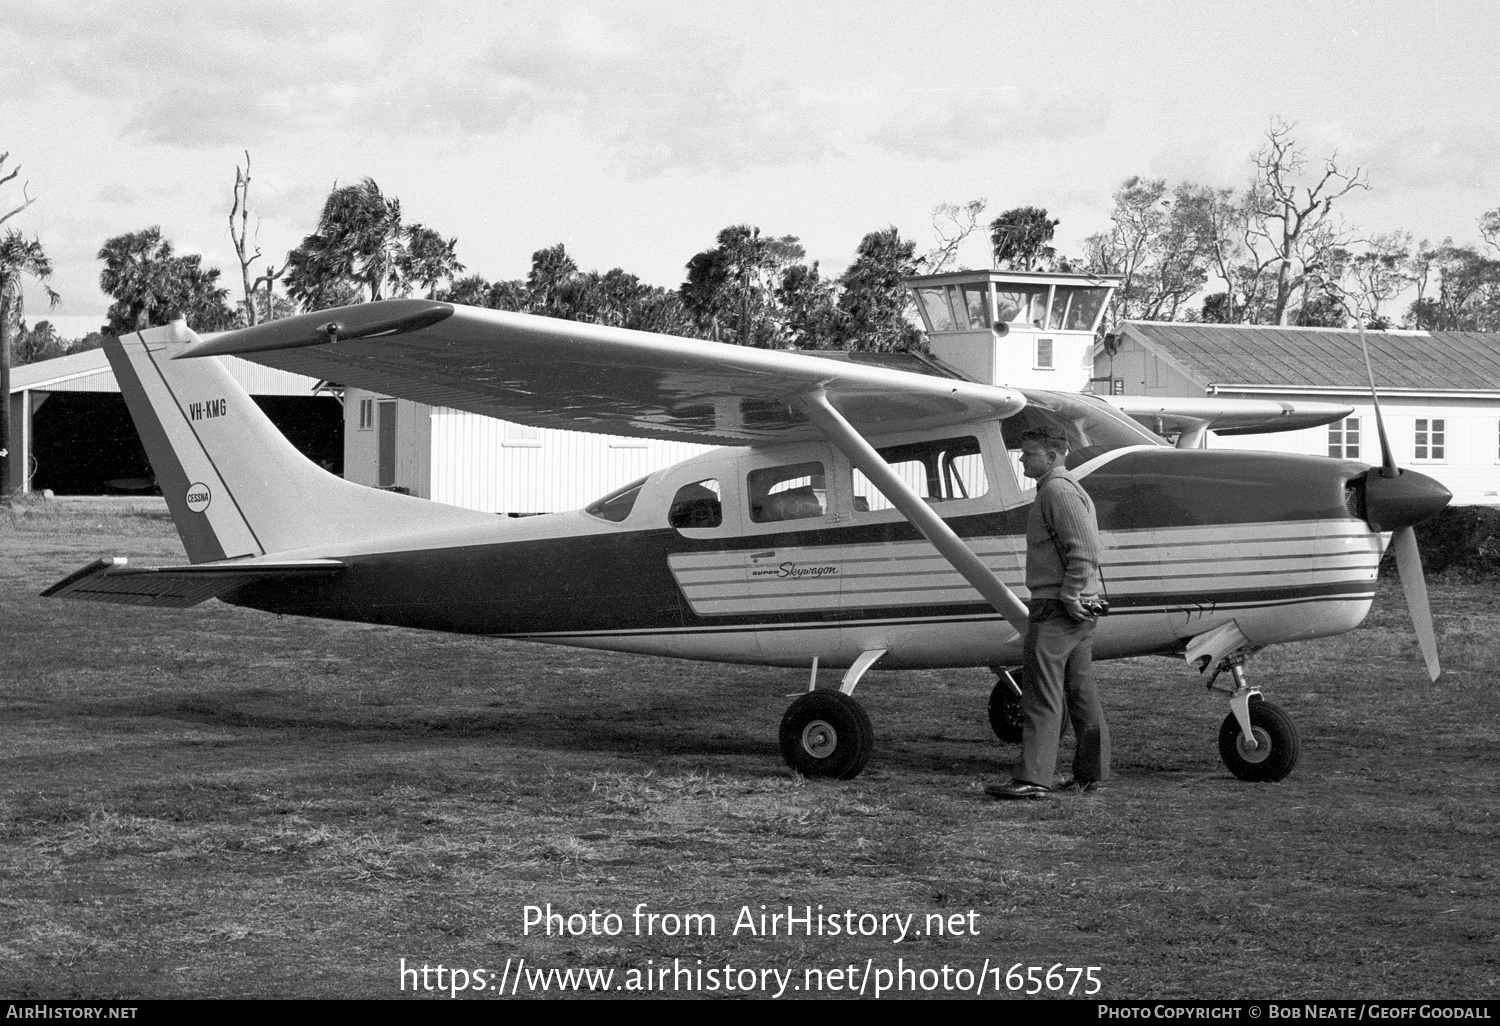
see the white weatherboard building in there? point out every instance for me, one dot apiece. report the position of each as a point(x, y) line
point(465, 459)
point(1007, 327)
point(1439, 391)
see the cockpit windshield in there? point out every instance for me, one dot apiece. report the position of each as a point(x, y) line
point(616, 506)
point(1091, 424)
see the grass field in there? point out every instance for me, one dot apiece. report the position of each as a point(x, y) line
point(218, 802)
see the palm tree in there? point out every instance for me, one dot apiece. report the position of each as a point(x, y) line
point(150, 284)
point(358, 241)
point(1021, 238)
point(134, 265)
point(427, 259)
point(19, 257)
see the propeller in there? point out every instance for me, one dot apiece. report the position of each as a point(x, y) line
point(1395, 499)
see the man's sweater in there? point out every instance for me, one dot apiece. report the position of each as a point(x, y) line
point(1062, 562)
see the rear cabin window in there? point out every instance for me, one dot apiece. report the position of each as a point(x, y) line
point(938, 471)
point(616, 506)
point(697, 505)
point(796, 491)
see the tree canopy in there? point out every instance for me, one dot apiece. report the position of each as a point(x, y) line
point(361, 250)
point(151, 284)
point(1021, 239)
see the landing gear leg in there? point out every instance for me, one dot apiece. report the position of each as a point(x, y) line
point(827, 733)
point(1258, 741)
point(1005, 706)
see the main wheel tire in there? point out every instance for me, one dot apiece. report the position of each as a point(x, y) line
point(1005, 710)
point(827, 734)
point(1277, 744)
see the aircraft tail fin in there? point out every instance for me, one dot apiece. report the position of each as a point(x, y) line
point(234, 484)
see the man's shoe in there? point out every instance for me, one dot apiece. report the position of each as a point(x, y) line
point(1080, 786)
point(1017, 789)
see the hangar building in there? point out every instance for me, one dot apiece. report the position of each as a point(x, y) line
point(71, 433)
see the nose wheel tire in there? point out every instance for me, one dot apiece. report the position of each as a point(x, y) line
point(1277, 745)
point(827, 734)
point(1005, 711)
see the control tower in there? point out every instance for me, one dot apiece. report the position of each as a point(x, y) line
point(1032, 329)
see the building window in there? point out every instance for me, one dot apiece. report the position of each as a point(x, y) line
point(521, 435)
point(935, 308)
point(1430, 440)
point(367, 414)
point(1343, 439)
point(1044, 354)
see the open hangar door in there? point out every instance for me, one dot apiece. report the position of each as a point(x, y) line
point(84, 443)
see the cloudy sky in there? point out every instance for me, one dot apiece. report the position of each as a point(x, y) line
point(633, 132)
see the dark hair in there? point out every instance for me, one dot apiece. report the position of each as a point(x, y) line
point(1053, 439)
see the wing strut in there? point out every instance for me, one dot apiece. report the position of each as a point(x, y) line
point(832, 424)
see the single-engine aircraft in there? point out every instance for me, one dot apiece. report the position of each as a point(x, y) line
point(853, 515)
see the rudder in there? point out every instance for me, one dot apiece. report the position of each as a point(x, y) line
point(234, 484)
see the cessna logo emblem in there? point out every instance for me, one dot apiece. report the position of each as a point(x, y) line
point(198, 497)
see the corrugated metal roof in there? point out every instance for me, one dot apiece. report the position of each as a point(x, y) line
point(57, 370)
point(1235, 354)
point(77, 371)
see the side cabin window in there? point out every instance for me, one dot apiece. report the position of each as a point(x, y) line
point(796, 491)
point(698, 504)
point(939, 471)
point(616, 506)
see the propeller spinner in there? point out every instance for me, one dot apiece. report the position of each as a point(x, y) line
point(1395, 499)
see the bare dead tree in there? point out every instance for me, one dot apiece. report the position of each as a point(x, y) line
point(26, 200)
point(1293, 217)
point(272, 273)
point(240, 236)
point(951, 224)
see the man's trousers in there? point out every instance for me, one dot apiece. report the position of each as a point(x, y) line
point(1059, 653)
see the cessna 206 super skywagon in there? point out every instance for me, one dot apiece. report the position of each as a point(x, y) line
point(856, 516)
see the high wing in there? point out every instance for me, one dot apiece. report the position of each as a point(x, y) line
point(589, 377)
point(112, 579)
point(1190, 417)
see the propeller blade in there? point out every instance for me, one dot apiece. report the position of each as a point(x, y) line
point(1387, 458)
point(1409, 567)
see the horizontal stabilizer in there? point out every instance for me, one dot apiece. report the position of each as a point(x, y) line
point(112, 579)
point(1192, 416)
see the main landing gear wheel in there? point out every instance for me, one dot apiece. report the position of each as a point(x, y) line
point(827, 734)
point(1277, 744)
point(1005, 710)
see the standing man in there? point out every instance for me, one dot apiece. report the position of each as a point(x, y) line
point(1062, 574)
